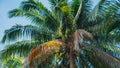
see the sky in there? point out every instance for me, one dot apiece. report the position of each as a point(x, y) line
point(6, 22)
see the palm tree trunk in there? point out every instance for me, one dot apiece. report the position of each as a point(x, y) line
point(71, 57)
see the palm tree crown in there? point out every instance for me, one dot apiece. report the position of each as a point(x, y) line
point(67, 24)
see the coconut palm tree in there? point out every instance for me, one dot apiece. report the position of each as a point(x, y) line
point(73, 34)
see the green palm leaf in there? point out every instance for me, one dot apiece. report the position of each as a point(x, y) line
point(17, 49)
point(16, 32)
point(13, 63)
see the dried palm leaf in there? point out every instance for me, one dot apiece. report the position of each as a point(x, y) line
point(40, 53)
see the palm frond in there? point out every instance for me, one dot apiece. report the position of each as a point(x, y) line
point(112, 16)
point(80, 10)
point(33, 15)
point(15, 12)
point(108, 22)
point(17, 49)
point(40, 11)
point(39, 14)
point(53, 2)
point(13, 63)
point(110, 48)
point(94, 13)
point(103, 29)
point(35, 11)
point(78, 13)
point(104, 9)
point(86, 6)
point(112, 26)
point(18, 32)
point(114, 35)
point(28, 5)
point(73, 6)
point(57, 3)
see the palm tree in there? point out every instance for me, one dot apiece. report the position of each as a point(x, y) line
point(71, 46)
